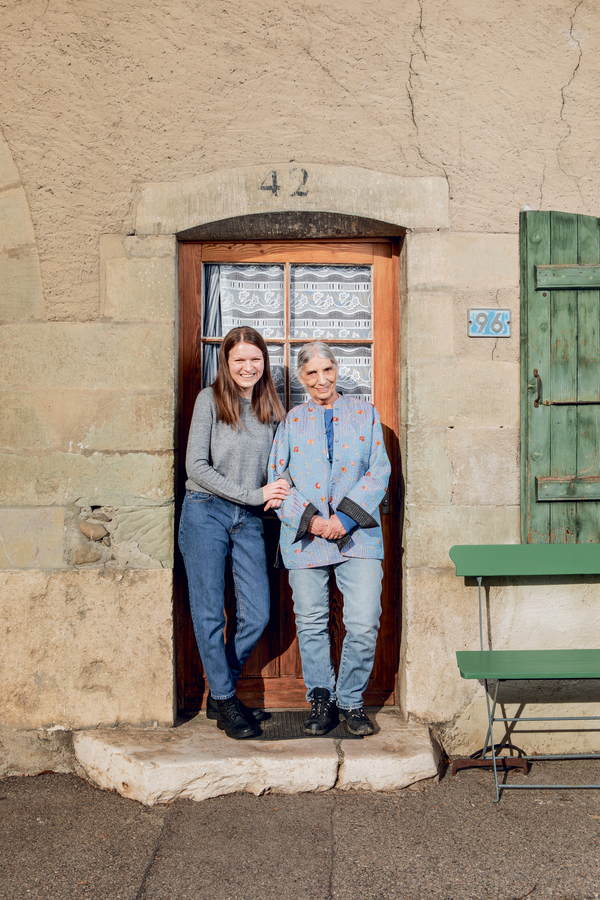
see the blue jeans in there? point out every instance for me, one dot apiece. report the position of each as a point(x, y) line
point(359, 580)
point(211, 530)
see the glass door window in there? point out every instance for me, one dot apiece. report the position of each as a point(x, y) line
point(291, 304)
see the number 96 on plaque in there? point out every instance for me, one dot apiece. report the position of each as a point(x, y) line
point(489, 323)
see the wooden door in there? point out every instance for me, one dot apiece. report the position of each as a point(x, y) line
point(560, 404)
point(272, 676)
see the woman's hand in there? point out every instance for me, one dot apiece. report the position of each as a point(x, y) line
point(334, 529)
point(317, 526)
point(330, 529)
point(275, 493)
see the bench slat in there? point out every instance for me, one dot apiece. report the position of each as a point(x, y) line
point(515, 665)
point(525, 559)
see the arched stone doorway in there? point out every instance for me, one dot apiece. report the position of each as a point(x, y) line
point(359, 279)
point(281, 202)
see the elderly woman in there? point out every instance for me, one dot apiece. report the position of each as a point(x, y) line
point(333, 448)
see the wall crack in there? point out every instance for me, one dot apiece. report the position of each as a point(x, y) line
point(420, 45)
point(541, 202)
point(346, 90)
point(563, 101)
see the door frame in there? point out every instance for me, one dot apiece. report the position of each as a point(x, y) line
point(386, 335)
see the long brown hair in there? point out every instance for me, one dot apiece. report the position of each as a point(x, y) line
point(265, 402)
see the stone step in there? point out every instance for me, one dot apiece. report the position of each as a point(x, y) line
point(197, 761)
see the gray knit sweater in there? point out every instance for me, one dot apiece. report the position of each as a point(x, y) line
point(226, 461)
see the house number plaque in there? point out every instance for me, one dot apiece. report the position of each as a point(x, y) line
point(489, 323)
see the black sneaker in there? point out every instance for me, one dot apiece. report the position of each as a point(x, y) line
point(231, 720)
point(356, 720)
point(258, 715)
point(323, 713)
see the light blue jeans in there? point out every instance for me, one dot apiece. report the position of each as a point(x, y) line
point(359, 580)
point(212, 530)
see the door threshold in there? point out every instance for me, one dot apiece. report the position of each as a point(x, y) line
point(197, 761)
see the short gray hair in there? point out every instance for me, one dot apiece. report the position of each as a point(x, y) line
point(314, 348)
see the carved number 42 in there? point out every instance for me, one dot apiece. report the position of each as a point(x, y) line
point(270, 183)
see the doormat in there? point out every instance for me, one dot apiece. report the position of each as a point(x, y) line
point(287, 725)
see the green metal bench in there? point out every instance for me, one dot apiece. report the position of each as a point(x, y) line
point(512, 561)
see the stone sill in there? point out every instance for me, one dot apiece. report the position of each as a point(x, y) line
point(197, 761)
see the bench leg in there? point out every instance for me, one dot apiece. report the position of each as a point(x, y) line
point(490, 735)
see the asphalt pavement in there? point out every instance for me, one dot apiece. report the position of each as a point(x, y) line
point(62, 839)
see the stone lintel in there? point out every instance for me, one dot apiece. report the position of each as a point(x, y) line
point(411, 203)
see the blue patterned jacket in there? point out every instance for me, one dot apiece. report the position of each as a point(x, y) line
point(354, 483)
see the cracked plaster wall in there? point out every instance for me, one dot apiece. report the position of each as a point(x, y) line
point(101, 98)
point(501, 99)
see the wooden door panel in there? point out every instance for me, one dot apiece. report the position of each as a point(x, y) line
point(535, 324)
point(560, 329)
point(272, 675)
point(289, 654)
point(588, 377)
point(338, 253)
point(563, 376)
point(386, 397)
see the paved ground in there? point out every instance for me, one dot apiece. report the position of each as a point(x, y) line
point(61, 838)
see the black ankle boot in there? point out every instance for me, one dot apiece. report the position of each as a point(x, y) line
point(231, 720)
point(251, 715)
point(356, 720)
point(323, 713)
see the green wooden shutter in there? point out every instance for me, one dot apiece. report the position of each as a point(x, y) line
point(560, 340)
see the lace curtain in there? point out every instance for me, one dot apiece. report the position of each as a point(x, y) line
point(326, 303)
point(242, 295)
point(330, 302)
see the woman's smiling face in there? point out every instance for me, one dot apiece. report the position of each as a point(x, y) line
point(246, 366)
point(319, 377)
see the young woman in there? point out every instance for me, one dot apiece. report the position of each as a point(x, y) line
point(228, 449)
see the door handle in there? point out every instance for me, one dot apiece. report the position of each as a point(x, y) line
point(539, 402)
point(536, 375)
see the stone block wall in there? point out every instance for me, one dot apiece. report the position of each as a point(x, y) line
point(123, 127)
point(86, 494)
point(461, 420)
point(21, 295)
point(86, 646)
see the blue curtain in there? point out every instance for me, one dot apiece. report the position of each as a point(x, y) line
point(212, 323)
